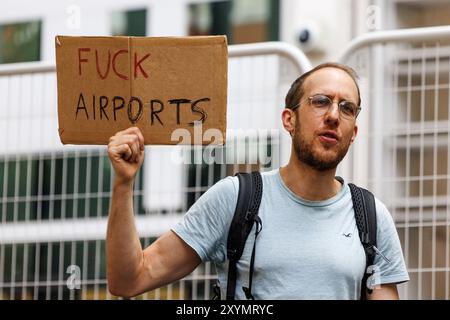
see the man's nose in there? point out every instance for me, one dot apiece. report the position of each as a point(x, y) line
point(332, 116)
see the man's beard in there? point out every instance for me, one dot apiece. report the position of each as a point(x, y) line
point(306, 154)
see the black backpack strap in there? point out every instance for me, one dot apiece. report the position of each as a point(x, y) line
point(248, 290)
point(366, 221)
point(245, 216)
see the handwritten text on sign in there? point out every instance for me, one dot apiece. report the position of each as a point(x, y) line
point(157, 84)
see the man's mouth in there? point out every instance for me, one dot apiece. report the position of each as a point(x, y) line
point(329, 136)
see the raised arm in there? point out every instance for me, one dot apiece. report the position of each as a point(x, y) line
point(131, 270)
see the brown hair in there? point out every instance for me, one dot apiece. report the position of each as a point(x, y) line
point(295, 93)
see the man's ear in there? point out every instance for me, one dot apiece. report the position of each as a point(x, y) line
point(355, 132)
point(288, 118)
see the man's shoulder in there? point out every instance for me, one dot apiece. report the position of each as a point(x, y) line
point(223, 191)
point(382, 212)
point(227, 184)
point(384, 217)
point(227, 188)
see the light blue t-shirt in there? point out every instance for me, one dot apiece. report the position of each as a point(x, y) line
point(306, 249)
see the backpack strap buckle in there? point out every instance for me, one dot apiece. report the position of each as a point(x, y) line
point(248, 293)
point(216, 291)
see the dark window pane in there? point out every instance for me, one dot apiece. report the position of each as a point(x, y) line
point(242, 21)
point(130, 23)
point(20, 42)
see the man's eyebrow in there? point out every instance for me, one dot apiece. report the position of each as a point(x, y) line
point(321, 93)
point(331, 96)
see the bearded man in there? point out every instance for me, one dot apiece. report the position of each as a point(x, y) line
point(309, 247)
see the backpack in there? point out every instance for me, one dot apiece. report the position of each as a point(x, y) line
point(246, 215)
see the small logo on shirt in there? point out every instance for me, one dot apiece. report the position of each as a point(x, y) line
point(348, 235)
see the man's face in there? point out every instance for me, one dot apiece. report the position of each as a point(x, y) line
point(322, 141)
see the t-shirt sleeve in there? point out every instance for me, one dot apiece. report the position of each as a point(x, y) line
point(389, 262)
point(205, 226)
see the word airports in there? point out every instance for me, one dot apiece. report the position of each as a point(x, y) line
point(106, 108)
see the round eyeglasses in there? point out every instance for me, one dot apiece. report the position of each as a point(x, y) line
point(322, 103)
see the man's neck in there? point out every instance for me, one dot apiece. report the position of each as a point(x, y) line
point(308, 183)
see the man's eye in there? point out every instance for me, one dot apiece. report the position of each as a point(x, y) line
point(321, 101)
point(348, 108)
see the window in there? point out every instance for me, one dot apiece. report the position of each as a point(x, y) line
point(416, 14)
point(129, 23)
point(20, 42)
point(242, 21)
point(51, 187)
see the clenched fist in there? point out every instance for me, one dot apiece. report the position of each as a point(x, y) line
point(126, 152)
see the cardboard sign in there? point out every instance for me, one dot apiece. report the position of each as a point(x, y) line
point(107, 84)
